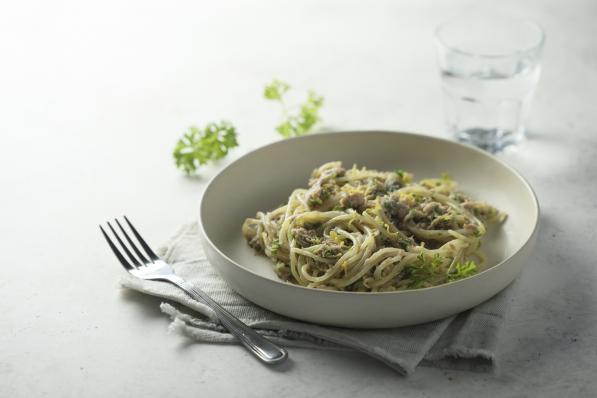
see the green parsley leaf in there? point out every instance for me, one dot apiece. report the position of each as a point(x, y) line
point(198, 147)
point(302, 120)
point(423, 272)
point(275, 90)
point(462, 271)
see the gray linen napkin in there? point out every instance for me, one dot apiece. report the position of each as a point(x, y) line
point(465, 341)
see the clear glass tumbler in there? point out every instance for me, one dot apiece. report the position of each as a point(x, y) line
point(489, 69)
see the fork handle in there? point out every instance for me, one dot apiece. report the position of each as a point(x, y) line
point(262, 348)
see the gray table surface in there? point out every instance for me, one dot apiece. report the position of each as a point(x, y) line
point(93, 97)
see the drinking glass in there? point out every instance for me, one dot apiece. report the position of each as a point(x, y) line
point(489, 69)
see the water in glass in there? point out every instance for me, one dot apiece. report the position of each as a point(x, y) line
point(488, 108)
point(489, 68)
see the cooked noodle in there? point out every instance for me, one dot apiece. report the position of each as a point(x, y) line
point(367, 230)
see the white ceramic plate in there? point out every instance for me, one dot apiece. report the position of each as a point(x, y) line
point(264, 178)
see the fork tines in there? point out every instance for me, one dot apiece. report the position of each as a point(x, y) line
point(133, 261)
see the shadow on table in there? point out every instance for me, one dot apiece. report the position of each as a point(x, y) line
point(149, 307)
point(556, 306)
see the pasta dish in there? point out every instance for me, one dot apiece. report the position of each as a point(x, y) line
point(372, 231)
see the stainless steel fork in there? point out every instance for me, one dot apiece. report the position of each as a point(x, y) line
point(150, 267)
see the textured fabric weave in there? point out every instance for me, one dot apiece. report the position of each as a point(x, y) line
point(466, 341)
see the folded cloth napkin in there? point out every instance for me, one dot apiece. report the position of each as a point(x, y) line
point(465, 341)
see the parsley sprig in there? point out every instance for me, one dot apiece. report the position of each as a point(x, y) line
point(298, 121)
point(197, 147)
point(462, 270)
point(423, 271)
point(427, 271)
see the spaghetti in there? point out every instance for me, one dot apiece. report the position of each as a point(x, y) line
point(367, 231)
